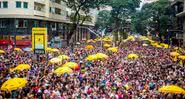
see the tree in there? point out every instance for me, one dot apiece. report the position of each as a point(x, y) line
point(78, 6)
point(152, 17)
point(103, 19)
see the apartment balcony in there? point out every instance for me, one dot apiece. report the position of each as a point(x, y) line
point(39, 13)
point(40, 1)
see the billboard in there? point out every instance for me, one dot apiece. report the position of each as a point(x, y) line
point(39, 40)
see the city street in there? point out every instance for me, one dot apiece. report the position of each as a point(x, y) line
point(132, 70)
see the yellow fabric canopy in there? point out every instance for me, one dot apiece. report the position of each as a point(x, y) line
point(72, 65)
point(63, 57)
point(133, 56)
point(174, 54)
point(91, 57)
point(173, 89)
point(2, 51)
point(106, 45)
point(62, 70)
point(17, 49)
point(89, 47)
point(55, 60)
point(101, 56)
point(22, 67)
point(13, 84)
point(113, 49)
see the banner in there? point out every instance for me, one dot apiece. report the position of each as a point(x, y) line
point(39, 40)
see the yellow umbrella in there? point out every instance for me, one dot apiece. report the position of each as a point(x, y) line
point(2, 51)
point(106, 45)
point(49, 49)
point(72, 65)
point(13, 84)
point(131, 56)
point(17, 49)
point(173, 89)
point(55, 50)
point(89, 47)
point(131, 38)
point(158, 46)
point(62, 70)
point(55, 60)
point(101, 56)
point(113, 49)
point(21, 67)
point(91, 57)
point(174, 55)
point(63, 57)
point(181, 57)
point(88, 41)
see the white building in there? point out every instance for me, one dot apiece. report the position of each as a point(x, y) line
point(18, 17)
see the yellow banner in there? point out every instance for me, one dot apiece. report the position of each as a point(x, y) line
point(39, 38)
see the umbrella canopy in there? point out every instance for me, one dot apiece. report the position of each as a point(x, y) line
point(174, 54)
point(132, 56)
point(172, 89)
point(55, 60)
point(89, 47)
point(101, 56)
point(55, 50)
point(13, 84)
point(22, 67)
point(106, 45)
point(17, 49)
point(91, 57)
point(64, 57)
point(113, 49)
point(63, 70)
point(88, 41)
point(2, 51)
point(72, 65)
point(182, 57)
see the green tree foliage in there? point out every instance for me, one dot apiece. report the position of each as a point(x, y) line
point(152, 17)
point(78, 6)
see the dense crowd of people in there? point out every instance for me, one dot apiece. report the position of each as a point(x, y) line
point(113, 78)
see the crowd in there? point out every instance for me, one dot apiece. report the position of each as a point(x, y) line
point(113, 78)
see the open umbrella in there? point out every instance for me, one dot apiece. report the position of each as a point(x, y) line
point(173, 89)
point(89, 47)
point(101, 56)
point(2, 51)
point(13, 84)
point(106, 45)
point(71, 65)
point(63, 57)
point(55, 60)
point(182, 58)
point(91, 57)
point(113, 49)
point(17, 49)
point(63, 70)
point(132, 56)
point(21, 67)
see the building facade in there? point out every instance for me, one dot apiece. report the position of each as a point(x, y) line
point(181, 15)
point(18, 17)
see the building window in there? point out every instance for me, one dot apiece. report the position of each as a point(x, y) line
point(26, 5)
point(0, 4)
point(3, 23)
point(5, 4)
point(36, 24)
point(52, 10)
point(21, 23)
point(18, 4)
